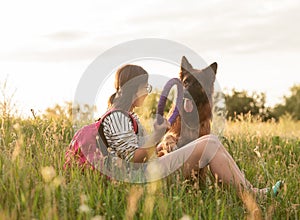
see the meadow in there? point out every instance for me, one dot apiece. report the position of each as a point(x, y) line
point(34, 185)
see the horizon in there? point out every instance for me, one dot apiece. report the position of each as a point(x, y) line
point(255, 44)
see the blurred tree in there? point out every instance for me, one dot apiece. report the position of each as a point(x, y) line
point(148, 111)
point(240, 102)
point(150, 105)
point(82, 114)
point(57, 111)
point(291, 104)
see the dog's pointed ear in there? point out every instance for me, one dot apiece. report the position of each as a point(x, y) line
point(185, 65)
point(214, 67)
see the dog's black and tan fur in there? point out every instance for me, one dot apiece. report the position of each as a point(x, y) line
point(195, 117)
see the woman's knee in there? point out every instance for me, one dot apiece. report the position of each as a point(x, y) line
point(209, 137)
point(208, 142)
point(207, 149)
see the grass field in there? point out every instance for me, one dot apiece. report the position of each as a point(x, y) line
point(33, 184)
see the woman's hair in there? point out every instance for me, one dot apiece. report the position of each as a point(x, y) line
point(127, 80)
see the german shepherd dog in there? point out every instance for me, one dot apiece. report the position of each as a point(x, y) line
point(195, 117)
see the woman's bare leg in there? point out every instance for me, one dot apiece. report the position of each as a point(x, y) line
point(209, 151)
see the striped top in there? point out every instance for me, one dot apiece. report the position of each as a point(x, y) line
point(119, 133)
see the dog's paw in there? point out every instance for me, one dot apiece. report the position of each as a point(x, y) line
point(162, 153)
point(168, 144)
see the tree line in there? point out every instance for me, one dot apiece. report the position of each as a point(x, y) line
point(236, 103)
point(241, 102)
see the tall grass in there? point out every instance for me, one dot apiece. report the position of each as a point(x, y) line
point(34, 185)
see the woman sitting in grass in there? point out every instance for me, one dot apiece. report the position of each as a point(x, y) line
point(131, 83)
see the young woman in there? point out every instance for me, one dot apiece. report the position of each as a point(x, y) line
point(131, 84)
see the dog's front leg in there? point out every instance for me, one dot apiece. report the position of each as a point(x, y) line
point(168, 144)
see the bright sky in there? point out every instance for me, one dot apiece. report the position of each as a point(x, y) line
point(45, 46)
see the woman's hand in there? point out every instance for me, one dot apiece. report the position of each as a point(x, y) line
point(143, 153)
point(160, 129)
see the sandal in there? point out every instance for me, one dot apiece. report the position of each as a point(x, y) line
point(276, 188)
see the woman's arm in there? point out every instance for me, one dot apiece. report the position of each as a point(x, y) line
point(123, 141)
point(120, 135)
point(143, 153)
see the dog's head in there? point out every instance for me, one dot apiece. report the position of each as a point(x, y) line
point(198, 84)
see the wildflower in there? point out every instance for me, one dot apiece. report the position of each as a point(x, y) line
point(48, 173)
point(186, 217)
point(16, 126)
point(98, 217)
point(257, 152)
point(84, 208)
point(57, 181)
